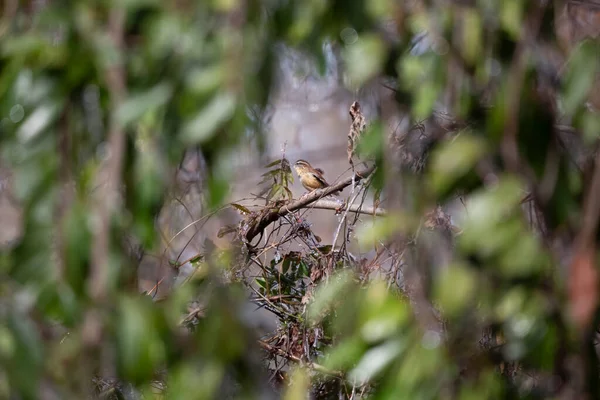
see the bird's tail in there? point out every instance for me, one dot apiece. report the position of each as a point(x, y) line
point(336, 193)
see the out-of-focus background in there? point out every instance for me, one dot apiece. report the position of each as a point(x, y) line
point(152, 244)
point(307, 118)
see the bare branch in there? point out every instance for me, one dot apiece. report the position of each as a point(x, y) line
point(260, 222)
point(355, 208)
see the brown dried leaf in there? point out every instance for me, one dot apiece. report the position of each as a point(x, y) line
point(356, 129)
point(316, 273)
point(583, 287)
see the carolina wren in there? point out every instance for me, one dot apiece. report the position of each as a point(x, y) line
point(310, 177)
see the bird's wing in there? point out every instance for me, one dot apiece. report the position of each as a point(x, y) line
point(320, 178)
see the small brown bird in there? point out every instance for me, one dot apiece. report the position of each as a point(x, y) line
point(310, 177)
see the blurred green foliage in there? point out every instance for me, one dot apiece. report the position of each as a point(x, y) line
point(192, 73)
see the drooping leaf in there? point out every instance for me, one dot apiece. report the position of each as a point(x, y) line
point(241, 208)
point(206, 122)
point(138, 104)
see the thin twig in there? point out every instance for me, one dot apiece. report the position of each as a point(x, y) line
point(355, 208)
point(343, 219)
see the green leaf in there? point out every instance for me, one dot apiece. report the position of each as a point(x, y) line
point(493, 205)
point(303, 269)
point(24, 367)
point(38, 121)
point(206, 80)
point(139, 104)
point(379, 9)
point(272, 164)
point(299, 384)
point(382, 313)
point(7, 343)
point(325, 249)
point(225, 5)
point(364, 59)
point(580, 76)
point(455, 289)
point(495, 231)
point(58, 301)
point(511, 302)
point(303, 22)
point(375, 360)
point(261, 282)
point(345, 355)
point(471, 34)
point(426, 96)
point(328, 294)
point(196, 259)
point(370, 144)
point(414, 70)
point(511, 16)
point(590, 122)
point(241, 208)
point(522, 257)
point(218, 187)
point(454, 159)
point(275, 192)
point(77, 237)
point(193, 380)
point(140, 348)
point(205, 124)
point(285, 266)
point(272, 173)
